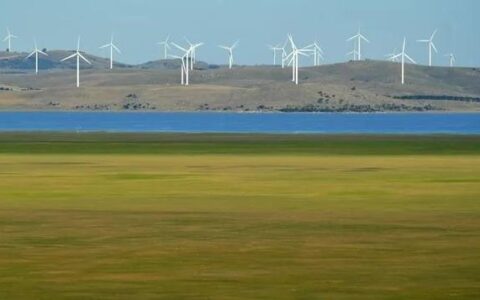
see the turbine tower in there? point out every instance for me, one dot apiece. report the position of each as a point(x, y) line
point(166, 46)
point(183, 68)
point(431, 47)
point(9, 38)
point(451, 58)
point(78, 56)
point(36, 52)
point(112, 47)
point(186, 60)
point(230, 53)
point(358, 38)
point(403, 55)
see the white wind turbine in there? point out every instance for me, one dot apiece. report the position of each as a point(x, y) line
point(358, 38)
point(230, 53)
point(275, 49)
point(293, 58)
point(317, 53)
point(186, 60)
point(9, 38)
point(112, 47)
point(431, 46)
point(77, 55)
point(403, 55)
point(166, 46)
point(193, 52)
point(451, 58)
point(36, 52)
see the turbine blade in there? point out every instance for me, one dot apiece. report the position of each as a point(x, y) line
point(31, 54)
point(83, 57)
point(364, 38)
point(352, 38)
point(290, 55)
point(179, 47)
point(434, 48)
point(116, 48)
point(396, 56)
point(104, 46)
point(410, 59)
point(69, 57)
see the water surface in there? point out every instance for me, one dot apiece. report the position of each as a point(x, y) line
point(375, 123)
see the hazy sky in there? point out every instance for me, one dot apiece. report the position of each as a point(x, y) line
point(139, 24)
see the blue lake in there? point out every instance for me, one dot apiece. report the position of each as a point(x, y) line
point(377, 123)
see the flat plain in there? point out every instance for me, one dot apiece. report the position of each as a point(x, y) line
point(118, 216)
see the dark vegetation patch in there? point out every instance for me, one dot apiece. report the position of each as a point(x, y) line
point(437, 97)
point(364, 108)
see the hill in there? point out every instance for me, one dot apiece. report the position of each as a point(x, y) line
point(354, 86)
point(15, 61)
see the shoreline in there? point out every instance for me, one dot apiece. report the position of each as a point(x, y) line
point(237, 112)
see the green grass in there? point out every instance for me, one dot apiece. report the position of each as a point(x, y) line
point(121, 143)
point(239, 217)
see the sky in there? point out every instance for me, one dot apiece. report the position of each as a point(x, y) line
point(139, 24)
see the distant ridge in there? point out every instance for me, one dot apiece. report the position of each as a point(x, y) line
point(17, 61)
point(360, 86)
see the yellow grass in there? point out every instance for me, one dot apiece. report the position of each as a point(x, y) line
point(239, 227)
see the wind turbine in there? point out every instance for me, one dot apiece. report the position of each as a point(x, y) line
point(358, 38)
point(403, 55)
point(166, 46)
point(293, 58)
point(9, 38)
point(431, 46)
point(77, 55)
point(35, 52)
point(451, 58)
point(274, 49)
point(112, 47)
point(317, 53)
point(230, 53)
point(193, 52)
point(185, 63)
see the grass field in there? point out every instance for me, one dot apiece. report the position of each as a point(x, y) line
point(116, 216)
